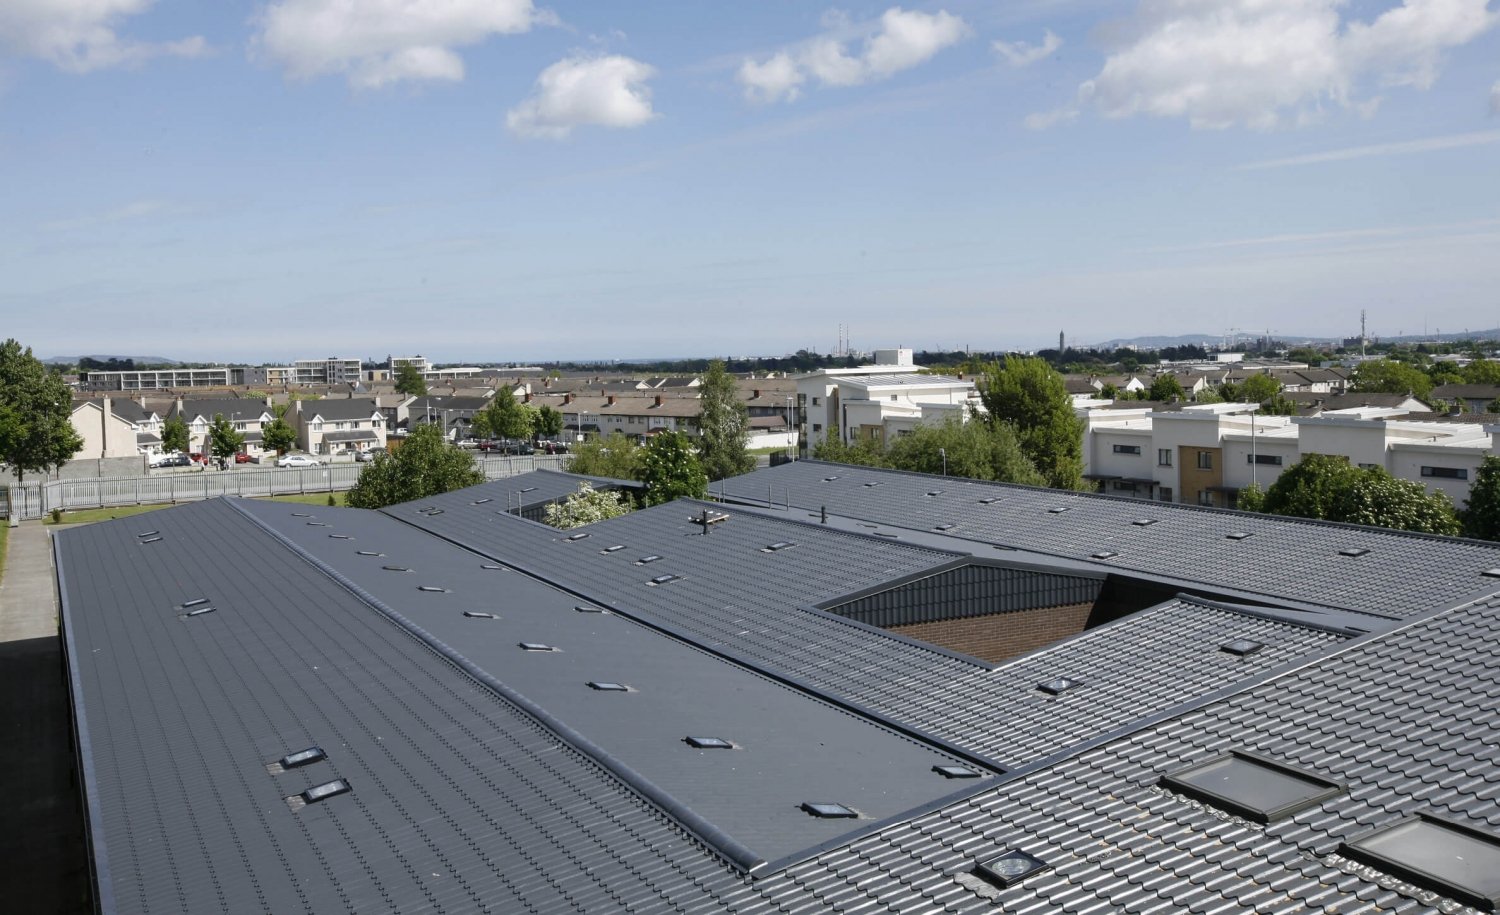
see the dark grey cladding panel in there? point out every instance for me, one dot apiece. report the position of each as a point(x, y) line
point(745, 601)
point(1407, 722)
point(969, 591)
point(1401, 575)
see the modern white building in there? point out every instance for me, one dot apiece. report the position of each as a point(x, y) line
point(330, 370)
point(880, 401)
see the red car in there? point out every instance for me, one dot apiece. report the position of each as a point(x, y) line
point(241, 457)
point(198, 457)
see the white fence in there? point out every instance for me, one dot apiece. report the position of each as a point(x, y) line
point(33, 500)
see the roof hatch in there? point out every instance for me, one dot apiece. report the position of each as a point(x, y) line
point(1252, 786)
point(1451, 858)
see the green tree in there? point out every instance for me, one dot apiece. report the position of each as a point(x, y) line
point(223, 439)
point(866, 452)
point(278, 434)
point(1280, 405)
point(409, 381)
point(1481, 514)
point(1251, 499)
point(671, 470)
point(502, 417)
point(723, 425)
point(549, 422)
point(1208, 395)
point(1385, 376)
point(1107, 392)
point(36, 408)
point(1310, 487)
point(975, 449)
point(616, 457)
point(586, 506)
point(1375, 497)
point(424, 465)
point(1165, 388)
point(1259, 389)
point(174, 434)
point(1481, 371)
point(1028, 395)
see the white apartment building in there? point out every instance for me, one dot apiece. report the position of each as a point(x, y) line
point(1205, 454)
point(879, 401)
point(330, 370)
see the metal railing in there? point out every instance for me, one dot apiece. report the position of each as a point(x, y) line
point(34, 500)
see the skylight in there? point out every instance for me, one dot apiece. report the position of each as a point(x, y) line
point(1145, 522)
point(1009, 869)
point(340, 537)
point(778, 546)
point(825, 811)
point(663, 579)
point(148, 533)
point(367, 553)
point(1238, 535)
point(988, 500)
point(1353, 551)
point(956, 771)
point(318, 524)
point(199, 612)
point(1104, 554)
point(934, 492)
point(1440, 855)
point(535, 646)
point(303, 758)
point(708, 743)
point(479, 615)
point(578, 536)
point(193, 603)
point(1058, 685)
point(613, 549)
point(605, 686)
point(1059, 510)
point(585, 608)
point(481, 501)
point(432, 589)
point(647, 559)
point(1491, 573)
point(325, 791)
point(492, 567)
point(396, 568)
point(1252, 786)
point(1242, 647)
point(945, 526)
point(151, 540)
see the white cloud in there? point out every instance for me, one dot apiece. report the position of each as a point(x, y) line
point(1045, 119)
point(899, 40)
point(607, 91)
point(1267, 63)
point(79, 35)
point(379, 42)
point(1021, 54)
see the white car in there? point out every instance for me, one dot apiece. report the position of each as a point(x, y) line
point(298, 460)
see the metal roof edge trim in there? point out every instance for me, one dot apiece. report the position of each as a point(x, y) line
point(978, 662)
point(740, 856)
point(1271, 614)
point(1100, 575)
point(103, 882)
point(770, 514)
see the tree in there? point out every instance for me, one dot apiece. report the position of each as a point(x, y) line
point(1207, 395)
point(549, 422)
point(1280, 405)
point(1309, 487)
point(671, 470)
point(1482, 371)
point(1481, 514)
point(1251, 499)
point(278, 435)
point(1377, 498)
point(974, 449)
point(864, 451)
point(1165, 388)
point(1027, 394)
point(409, 381)
point(223, 439)
point(174, 434)
point(616, 457)
point(36, 408)
point(502, 417)
point(1259, 389)
point(425, 465)
point(723, 425)
point(586, 506)
point(1384, 376)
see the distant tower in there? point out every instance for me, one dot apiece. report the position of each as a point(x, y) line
point(1062, 342)
point(1362, 333)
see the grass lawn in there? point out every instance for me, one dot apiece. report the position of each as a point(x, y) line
point(88, 516)
point(4, 533)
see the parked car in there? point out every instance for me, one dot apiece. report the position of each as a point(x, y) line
point(175, 459)
point(298, 460)
point(367, 455)
point(241, 457)
point(198, 457)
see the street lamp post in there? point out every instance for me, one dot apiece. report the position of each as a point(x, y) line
point(943, 452)
point(790, 430)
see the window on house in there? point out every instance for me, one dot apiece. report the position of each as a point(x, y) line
point(1446, 473)
point(1368, 466)
point(1127, 449)
point(893, 397)
point(1272, 459)
point(1164, 457)
point(817, 427)
point(1165, 493)
point(815, 401)
point(1205, 497)
point(1205, 460)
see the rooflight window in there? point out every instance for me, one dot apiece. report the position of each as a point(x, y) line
point(956, 771)
point(778, 546)
point(434, 513)
point(613, 549)
point(1145, 522)
point(828, 811)
point(1491, 573)
point(1104, 554)
point(535, 646)
point(945, 526)
point(303, 758)
point(151, 540)
point(605, 686)
point(1059, 510)
point(481, 501)
point(1009, 869)
point(579, 536)
point(1445, 857)
point(301, 515)
point(148, 533)
point(644, 560)
point(663, 579)
point(317, 524)
point(708, 743)
point(432, 589)
point(1239, 535)
point(872, 485)
point(325, 791)
point(1058, 685)
point(492, 567)
point(1251, 786)
point(829, 479)
point(479, 615)
point(340, 536)
point(934, 492)
point(396, 568)
point(193, 603)
point(1242, 647)
point(988, 500)
point(529, 489)
point(1355, 551)
point(199, 612)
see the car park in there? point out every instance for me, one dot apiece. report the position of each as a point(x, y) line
point(298, 460)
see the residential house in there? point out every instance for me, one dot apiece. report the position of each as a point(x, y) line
point(880, 401)
point(338, 426)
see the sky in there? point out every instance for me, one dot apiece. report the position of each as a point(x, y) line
point(508, 180)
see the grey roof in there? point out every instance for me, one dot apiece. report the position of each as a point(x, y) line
point(1288, 559)
point(146, 438)
point(453, 403)
point(340, 409)
point(355, 435)
point(129, 410)
point(903, 379)
point(246, 408)
point(520, 492)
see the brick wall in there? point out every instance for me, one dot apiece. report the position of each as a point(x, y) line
point(1002, 636)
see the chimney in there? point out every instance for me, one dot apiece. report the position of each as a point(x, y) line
point(298, 404)
point(104, 419)
point(610, 401)
point(658, 401)
point(755, 394)
point(567, 398)
point(143, 401)
point(526, 398)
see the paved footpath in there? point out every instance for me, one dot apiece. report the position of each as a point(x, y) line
point(45, 868)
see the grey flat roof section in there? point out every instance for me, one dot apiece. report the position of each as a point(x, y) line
point(790, 747)
point(754, 605)
point(1402, 574)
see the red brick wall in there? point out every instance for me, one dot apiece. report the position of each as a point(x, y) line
point(1002, 636)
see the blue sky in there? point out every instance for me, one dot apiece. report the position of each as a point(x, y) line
point(503, 180)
